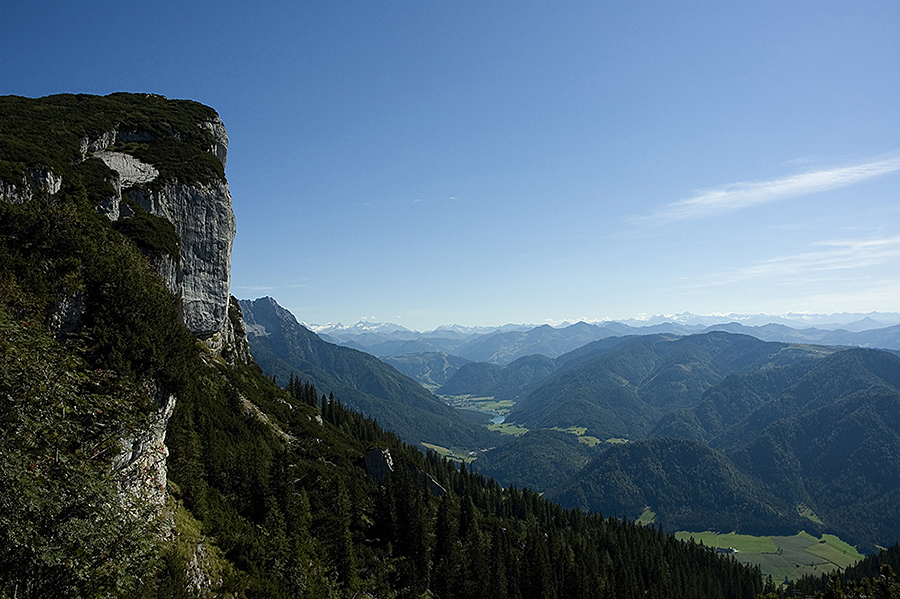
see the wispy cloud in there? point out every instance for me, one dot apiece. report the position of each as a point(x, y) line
point(735, 196)
point(833, 255)
point(825, 259)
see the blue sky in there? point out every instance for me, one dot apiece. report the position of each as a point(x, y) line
point(431, 162)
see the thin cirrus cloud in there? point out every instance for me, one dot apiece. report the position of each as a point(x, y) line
point(736, 196)
point(828, 258)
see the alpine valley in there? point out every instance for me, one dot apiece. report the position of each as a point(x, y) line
point(706, 428)
point(161, 438)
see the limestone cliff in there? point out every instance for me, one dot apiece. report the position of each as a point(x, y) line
point(155, 165)
point(141, 161)
point(203, 219)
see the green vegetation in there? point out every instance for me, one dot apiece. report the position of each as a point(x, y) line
point(805, 511)
point(623, 390)
point(508, 429)
point(796, 436)
point(647, 517)
point(48, 131)
point(537, 459)
point(456, 454)
point(836, 551)
point(874, 576)
point(66, 403)
point(579, 431)
point(361, 381)
point(512, 381)
point(485, 404)
point(430, 369)
point(575, 430)
point(150, 233)
point(63, 527)
point(743, 543)
point(689, 486)
point(783, 557)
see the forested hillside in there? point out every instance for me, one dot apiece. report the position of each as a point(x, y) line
point(431, 369)
point(874, 576)
point(782, 437)
point(284, 348)
point(687, 485)
point(622, 391)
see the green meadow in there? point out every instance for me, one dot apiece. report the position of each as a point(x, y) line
point(783, 558)
point(452, 453)
point(508, 428)
point(485, 404)
point(579, 431)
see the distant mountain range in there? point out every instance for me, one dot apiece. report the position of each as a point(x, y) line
point(851, 321)
point(503, 345)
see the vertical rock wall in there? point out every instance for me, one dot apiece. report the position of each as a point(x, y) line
point(203, 218)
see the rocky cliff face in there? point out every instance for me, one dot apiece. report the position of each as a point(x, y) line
point(141, 466)
point(154, 168)
point(195, 202)
point(203, 219)
point(145, 150)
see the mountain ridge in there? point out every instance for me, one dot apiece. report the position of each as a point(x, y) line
point(284, 348)
point(502, 345)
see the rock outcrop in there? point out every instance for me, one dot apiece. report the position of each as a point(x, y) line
point(199, 207)
point(152, 160)
point(205, 224)
point(141, 467)
point(202, 216)
point(40, 179)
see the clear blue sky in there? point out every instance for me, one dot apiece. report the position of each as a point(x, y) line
point(429, 162)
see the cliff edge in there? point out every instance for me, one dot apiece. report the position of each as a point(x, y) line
point(134, 156)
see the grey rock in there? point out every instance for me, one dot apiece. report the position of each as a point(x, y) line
point(231, 342)
point(45, 180)
point(113, 208)
point(205, 223)
point(141, 465)
point(40, 180)
point(379, 464)
point(90, 145)
point(201, 213)
point(66, 315)
point(202, 216)
point(171, 273)
point(220, 147)
point(131, 170)
point(14, 194)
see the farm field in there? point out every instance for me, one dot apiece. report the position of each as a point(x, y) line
point(579, 431)
point(783, 558)
point(507, 428)
point(485, 404)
